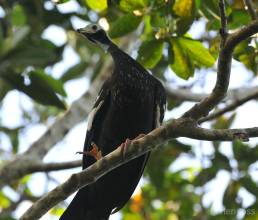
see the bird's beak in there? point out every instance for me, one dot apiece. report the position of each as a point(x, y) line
point(81, 31)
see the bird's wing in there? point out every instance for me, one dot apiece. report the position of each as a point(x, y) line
point(159, 112)
point(95, 118)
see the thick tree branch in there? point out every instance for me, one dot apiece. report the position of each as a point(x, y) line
point(224, 66)
point(184, 127)
point(24, 165)
point(229, 107)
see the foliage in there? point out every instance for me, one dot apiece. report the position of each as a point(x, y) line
point(163, 43)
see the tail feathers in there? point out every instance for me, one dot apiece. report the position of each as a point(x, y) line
point(80, 209)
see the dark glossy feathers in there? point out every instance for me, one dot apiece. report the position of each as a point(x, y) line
point(131, 102)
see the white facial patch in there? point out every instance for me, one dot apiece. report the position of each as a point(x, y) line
point(91, 29)
point(92, 115)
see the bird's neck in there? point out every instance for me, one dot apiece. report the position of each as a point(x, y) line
point(118, 55)
point(113, 49)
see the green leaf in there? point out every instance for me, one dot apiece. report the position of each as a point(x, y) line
point(197, 52)
point(13, 136)
point(164, 157)
point(4, 89)
point(246, 54)
point(12, 41)
point(242, 152)
point(4, 200)
point(185, 9)
point(250, 185)
point(124, 25)
point(230, 195)
point(157, 20)
point(56, 85)
point(198, 4)
point(131, 5)
point(98, 5)
point(74, 72)
point(210, 9)
point(18, 15)
point(238, 18)
point(150, 52)
point(57, 211)
point(205, 176)
point(181, 63)
point(224, 122)
point(221, 161)
point(38, 88)
point(38, 54)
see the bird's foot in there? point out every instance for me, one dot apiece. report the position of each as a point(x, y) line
point(124, 146)
point(139, 136)
point(94, 152)
point(127, 142)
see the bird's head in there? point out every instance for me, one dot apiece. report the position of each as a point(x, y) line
point(95, 34)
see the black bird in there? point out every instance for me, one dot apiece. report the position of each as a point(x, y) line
point(131, 102)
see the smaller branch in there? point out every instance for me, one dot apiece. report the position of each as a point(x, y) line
point(251, 9)
point(187, 95)
point(230, 107)
point(47, 167)
point(242, 34)
point(223, 21)
point(222, 134)
point(184, 94)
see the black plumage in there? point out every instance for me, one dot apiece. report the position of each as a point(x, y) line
point(131, 102)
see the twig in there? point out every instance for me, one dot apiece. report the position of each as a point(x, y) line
point(47, 167)
point(229, 107)
point(187, 95)
point(250, 7)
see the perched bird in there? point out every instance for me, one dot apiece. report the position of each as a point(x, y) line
point(131, 102)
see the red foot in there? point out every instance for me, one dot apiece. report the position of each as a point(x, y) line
point(94, 152)
point(139, 136)
point(124, 145)
point(127, 142)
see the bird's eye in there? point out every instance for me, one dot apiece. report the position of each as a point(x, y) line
point(94, 27)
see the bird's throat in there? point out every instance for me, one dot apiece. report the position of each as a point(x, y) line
point(105, 47)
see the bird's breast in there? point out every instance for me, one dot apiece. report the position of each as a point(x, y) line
point(132, 89)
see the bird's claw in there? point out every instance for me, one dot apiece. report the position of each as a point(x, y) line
point(94, 152)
